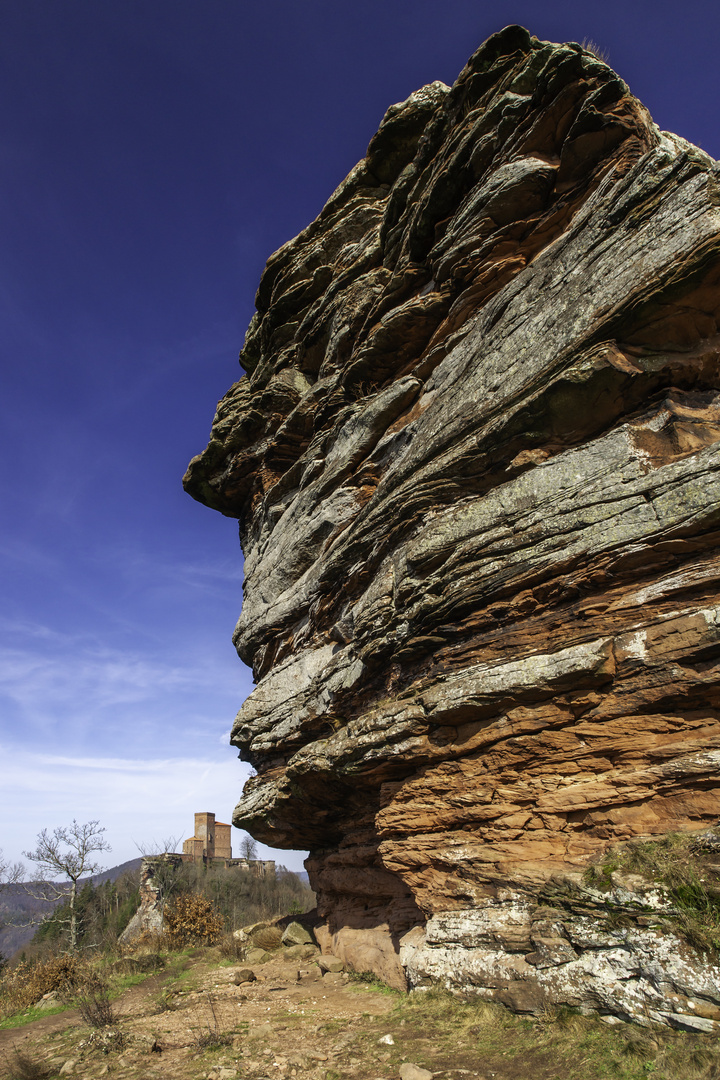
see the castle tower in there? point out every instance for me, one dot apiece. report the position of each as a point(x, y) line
point(205, 831)
point(223, 842)
point(212, 839)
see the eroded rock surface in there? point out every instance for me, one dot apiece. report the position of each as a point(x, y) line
point(475, 462)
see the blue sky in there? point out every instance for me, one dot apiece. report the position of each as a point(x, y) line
point(153, 153)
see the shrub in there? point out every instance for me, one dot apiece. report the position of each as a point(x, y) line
point(190, 919)
point(268, 938)
point(211, 1037)
point(20, 1066)
point(152, 943)
point(93, 1002)
point(231, 948)
point(24, 985)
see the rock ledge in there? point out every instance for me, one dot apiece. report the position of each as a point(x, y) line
point(475, 462)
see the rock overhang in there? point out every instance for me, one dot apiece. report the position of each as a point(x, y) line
point(475, 461)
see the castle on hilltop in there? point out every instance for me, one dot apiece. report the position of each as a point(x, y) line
point(211, 843)
point(211, 839)
point(210, 846)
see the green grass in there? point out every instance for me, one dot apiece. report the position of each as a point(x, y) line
point(119, 984)
point(27, 1016)
point(369, 981)
point(684, 866)
point(443, 1032)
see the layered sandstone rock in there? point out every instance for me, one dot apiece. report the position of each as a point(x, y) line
point(475, 462)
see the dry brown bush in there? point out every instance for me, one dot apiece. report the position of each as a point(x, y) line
point(24, 985)
point(20, 1066)
point(230, 948)
point(268, 938)
point(93, 1001)
point(592, 47)
point(150, 942)
point(191, 920)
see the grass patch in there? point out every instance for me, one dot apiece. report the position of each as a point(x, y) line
point(120, 983)
point(686, 867)
point(444, 1032)
point(370, 981)
point(29, 1015)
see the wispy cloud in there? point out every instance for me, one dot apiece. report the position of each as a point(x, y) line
point(71, 690)
point(142, 567)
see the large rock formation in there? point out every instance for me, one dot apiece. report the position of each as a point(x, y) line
point(475, 462)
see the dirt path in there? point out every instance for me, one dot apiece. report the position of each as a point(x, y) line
point(188, 1026)
point(38, 1029)
point(204, 1023)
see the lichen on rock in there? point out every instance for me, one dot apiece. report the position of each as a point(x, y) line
point(475, 461)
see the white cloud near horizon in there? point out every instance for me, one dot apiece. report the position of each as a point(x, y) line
point(139, 801)
point(133, 735)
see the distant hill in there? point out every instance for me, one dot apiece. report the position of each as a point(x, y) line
point(20, 913)
point(117, 871)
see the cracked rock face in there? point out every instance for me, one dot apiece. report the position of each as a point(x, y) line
point(475, 460)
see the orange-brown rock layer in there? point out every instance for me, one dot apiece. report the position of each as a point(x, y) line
point(475, 459)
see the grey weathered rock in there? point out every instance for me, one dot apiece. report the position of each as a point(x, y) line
point(295, 934)
point(409, 1071)
point(257, 956)
point(475, 459)
point(252, 928)
point(157, 874)
point(48, 1001)
point(300, 952)
point(329, 963)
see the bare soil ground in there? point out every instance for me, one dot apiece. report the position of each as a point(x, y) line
point(192, 1022)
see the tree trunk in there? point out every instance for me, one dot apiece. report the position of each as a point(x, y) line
point(73, 917)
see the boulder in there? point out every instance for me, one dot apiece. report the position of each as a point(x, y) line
point(257, 956)
point(300, 952)
point(330, 963)
point(333, 978)
point(49, 1001)
point(295, 934)
point(475, 457)
point(409, 1071)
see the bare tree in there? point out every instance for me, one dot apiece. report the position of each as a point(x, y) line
point(10, 874)
point(150, 848)
point(248, 847)
point(68, 852)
